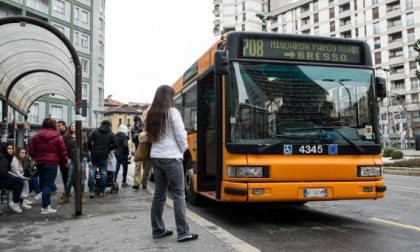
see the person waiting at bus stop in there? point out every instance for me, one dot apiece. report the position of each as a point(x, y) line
point(101, 143)
point(167, 133)
point(7, 180)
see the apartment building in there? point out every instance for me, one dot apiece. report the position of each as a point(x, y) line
point(82, 22)
point(390, 27)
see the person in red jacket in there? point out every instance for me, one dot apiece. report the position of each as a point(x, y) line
point(48, 150)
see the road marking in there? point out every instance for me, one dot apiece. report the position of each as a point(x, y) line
point(397, 224)
point(212, 228)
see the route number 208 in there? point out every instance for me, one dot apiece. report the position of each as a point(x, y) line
point(253, 48)
point(311, 149)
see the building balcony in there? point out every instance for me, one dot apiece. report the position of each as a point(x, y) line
point(395, 60)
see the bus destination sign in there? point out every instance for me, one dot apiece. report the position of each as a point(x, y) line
point(286, 49)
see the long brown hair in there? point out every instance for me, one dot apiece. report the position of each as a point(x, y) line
point(158, 115)
point(24, 161)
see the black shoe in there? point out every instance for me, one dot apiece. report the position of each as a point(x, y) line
point(144, 187)
point(166, 233)
point(135, 187)
point(91, 195)
point(190, 237)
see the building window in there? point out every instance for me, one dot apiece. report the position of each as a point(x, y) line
point(374, 2)
point(84, 17)
point(396, 21)
point(332, 26)
point(284, 29)
point(344, 7)
point(306, 32)
point(413, 66)
point(411, 52)
point(316, 18)
point(345, 21)
point(397, 85)
point(33, 113)
point(377, 42)
point(331, 2)
point(304, 8)
point(76, 38)
point(346, 34)
point(76, 13)
point(414, 84)
point(410, 35)
point(100, 96)
point(332, 12)
point(376, 29)
point(84, 40)
point(59, 7)
point(408, 4)
point(378, 59)
point(414, 98)
point(57, 112)
point(101, 73)
point(375, 13)
point(305, 21)
point(396, 52)
point(393, 6)
point(101, 5)
point(355, 4)
point(84, 90)
point(316, 30)
point(395, 37)
point(315, 5)
point(410, 19)
point(398, 69)
point(101, 25)
point(84, 64)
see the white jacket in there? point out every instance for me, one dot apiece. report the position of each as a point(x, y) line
point(174, 142)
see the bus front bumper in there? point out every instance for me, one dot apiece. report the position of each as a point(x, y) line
point(301, 191)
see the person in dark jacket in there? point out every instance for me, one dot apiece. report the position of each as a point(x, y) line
point(101, 143)
point(70, 141)
point(137, 128)
point(48, 149)
point(7, 180)
point(121, 153)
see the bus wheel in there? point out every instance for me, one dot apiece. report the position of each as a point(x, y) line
point(191, 196)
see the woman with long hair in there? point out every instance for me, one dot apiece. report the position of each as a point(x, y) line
point(7, 180)
point(167, 134)
point(70, 142)
point(19, 165)
point(48, 149)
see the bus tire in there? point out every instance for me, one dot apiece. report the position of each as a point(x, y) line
point(191, 196)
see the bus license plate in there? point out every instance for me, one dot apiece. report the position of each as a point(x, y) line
point(318, 192)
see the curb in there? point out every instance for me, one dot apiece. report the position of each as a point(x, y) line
point(407, 171)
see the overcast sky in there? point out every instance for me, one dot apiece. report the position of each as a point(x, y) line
point(150, 43)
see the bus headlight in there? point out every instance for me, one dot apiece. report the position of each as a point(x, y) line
point(369, 171)
point(247, 171)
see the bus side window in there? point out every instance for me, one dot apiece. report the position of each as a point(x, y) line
point(190, 109)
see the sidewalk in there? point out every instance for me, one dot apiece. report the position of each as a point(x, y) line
point(116, 222)
point(407, 171)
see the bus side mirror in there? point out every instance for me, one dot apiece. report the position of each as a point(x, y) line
point(380, 87)
point(221, 62)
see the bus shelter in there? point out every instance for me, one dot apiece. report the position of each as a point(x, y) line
point(36, 59)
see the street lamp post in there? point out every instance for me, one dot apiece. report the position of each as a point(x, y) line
point(388, 90)
point(264, 19)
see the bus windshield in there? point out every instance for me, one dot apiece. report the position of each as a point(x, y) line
point(268, 102)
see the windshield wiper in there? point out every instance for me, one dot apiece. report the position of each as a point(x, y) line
point(264, 148)
point(351, 142)
point(348, 140)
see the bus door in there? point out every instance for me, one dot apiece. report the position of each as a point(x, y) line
point(206, 137)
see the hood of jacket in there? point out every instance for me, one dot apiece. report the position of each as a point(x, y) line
point(104, 129)
point(48, 134)
point(123, 129)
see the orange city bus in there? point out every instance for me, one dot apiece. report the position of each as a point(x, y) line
point(282, 118)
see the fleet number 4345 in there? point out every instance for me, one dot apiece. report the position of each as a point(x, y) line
point(311, 149)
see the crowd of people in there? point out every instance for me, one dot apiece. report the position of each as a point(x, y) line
point(53, 149)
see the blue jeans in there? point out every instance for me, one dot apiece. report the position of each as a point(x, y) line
point(169, 171)
point(102, 165)
point(47, 175)
point(34, 185)
point(124, 162)
point(71, 180)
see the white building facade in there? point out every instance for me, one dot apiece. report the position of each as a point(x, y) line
point(390, 27)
